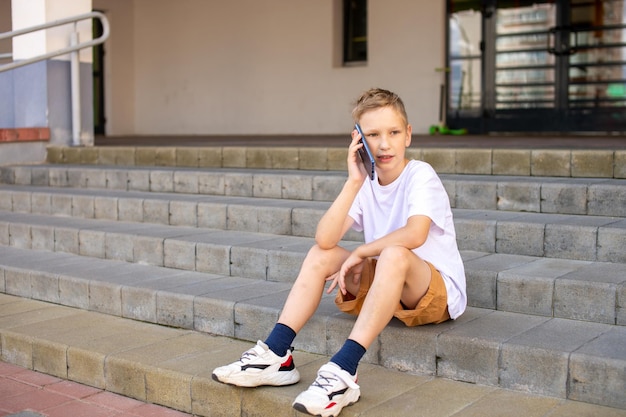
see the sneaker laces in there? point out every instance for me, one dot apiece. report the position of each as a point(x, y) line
point(253, 353)
point(327, 376)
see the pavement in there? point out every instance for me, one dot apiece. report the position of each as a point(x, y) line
point(26, 393)
point(161, 360)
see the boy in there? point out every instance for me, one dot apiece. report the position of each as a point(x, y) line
point(409, 266)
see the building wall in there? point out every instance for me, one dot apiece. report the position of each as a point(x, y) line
point(270, 67)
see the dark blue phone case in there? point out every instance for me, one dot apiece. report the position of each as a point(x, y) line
point(366, 154)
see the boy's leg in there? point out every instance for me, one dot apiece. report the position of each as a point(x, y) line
point(400, 276)
point(270, 362)
point(306, 293)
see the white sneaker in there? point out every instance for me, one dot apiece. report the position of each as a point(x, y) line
point(259, 366)
point(332, 390)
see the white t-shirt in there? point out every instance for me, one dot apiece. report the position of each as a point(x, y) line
point(379, 210)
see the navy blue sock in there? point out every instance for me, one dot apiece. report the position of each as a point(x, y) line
point(349, 356)
point(280, 339)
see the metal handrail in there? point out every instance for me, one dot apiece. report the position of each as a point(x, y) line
point(73, 49)
point(63, 51)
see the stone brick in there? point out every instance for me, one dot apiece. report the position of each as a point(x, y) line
point(267, 185)
point(213, 258)
point(285, 158)
point(183, 213)
point(598, 283)
point(116, 179)
point(511, 162)
point(519, 196)
point(156, 211)
point(327, 188)
point(187, 157)
point(83, 206)
point(570, 242)
point(105, 297)
point(20, 201)
point(234, 157)
point(611, 243)
point(602, 359)
point(592, 163)
point(473, 161)
point(314, 158)
point(258, 157)
point(105, 208)
point(61, 204)
point(66, 240)
point(248, 262)
point(607, 200)
point(551, 163)
point(130, 209)
point(91, 243)
point(238, 184)
point(185, 182)
point(298, 187)
point(476, 195)
point(165, 156)
point(337, 159)
point(242, 217)
point(179, 254)
point(175, 309)
point(210, 183)
point(58, 177)
point(212, 215)
point(148, 250)
point(162, 181)
point(538, 360)
point(471, 352)
point(475, 235)
point(210, 156)
point(442, 160)
point(620, 164)
point(521, 238)
point(563, 198)
point(41, 203)
point(139, 180)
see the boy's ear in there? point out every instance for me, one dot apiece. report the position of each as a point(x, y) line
point(409, 131)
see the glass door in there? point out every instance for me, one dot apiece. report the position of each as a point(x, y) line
point(545, 66)
point(596, 89)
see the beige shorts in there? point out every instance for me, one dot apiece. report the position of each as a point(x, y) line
point(432, 308)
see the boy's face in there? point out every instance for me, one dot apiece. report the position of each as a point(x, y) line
point(388, 136)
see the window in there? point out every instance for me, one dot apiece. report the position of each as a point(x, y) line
point(354, 31)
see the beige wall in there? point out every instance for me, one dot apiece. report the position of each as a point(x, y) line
point(262, 67)
point(5, 26)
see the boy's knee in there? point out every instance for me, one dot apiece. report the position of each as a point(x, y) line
point(396, 256)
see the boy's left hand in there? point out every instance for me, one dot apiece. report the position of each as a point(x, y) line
point(353, 265)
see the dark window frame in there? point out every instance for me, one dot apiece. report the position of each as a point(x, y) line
point(354, 31)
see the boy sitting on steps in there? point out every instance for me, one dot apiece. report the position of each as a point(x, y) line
point(409, 266)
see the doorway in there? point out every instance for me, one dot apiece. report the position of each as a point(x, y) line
point(99, 119)
point(536, 66)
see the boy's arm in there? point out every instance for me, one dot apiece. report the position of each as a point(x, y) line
point(336, 222)
point(411, 236)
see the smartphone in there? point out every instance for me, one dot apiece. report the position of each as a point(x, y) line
point(366, 154)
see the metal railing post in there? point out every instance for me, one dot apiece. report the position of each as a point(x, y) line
point(75, 87)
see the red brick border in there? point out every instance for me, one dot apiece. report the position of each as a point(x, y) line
point(25, 134)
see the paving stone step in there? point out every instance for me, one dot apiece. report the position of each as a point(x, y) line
point(561, 358)
point(601, 163)
point(592, 238)
point(172, 367)
point(590, 196)
point(586, 290)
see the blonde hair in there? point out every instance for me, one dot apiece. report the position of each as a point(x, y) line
point(376, 98)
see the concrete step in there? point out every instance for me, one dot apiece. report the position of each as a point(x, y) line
point(568, 288)
point(583, 196)
point(566, 359)
point(172, 367)
point(590, 238)
point(595, 163)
